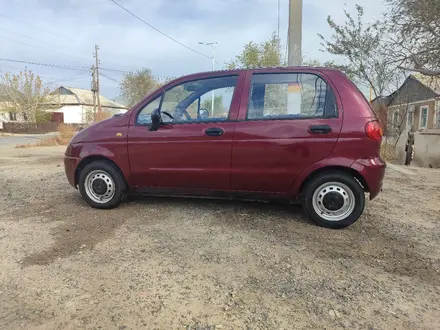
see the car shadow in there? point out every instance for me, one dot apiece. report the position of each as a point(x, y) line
point(282, 212)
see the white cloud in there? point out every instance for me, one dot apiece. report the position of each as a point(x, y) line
point(126, 43)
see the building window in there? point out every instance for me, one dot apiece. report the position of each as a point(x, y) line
point(437, 121)
point(12, 116)
point(396, 118)
point(423, 123)
point(410, 119)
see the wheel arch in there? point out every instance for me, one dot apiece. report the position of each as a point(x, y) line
point(334, 168)
point(90, 159)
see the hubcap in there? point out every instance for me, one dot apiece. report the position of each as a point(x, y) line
point(99, 186)
point(333, 201)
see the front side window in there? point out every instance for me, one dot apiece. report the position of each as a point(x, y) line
point(144, 116)
point(423, 117)
point(290, 96)
point(201, 100)
point(192, 102)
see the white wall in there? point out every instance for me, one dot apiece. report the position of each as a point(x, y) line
point(72, 114)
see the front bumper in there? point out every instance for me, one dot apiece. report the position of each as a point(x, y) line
point(373, 171)
point(70, 165)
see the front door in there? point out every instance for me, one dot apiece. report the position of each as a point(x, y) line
point(192, 148)
point(287, 122)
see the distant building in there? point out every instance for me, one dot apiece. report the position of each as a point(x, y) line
point(415, 109)
point(75, 105)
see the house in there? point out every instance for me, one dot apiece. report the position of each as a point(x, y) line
point(415, 108)
point(5, 99)
point(75, 106)
point(380, 106)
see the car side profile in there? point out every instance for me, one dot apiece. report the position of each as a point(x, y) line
point(289, 133)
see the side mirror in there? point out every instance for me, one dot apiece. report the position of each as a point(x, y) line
point(155, 120)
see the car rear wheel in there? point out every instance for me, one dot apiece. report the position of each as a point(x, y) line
point(334, 200)
point(102, 185)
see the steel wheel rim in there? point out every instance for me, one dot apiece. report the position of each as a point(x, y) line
point(341, 193)
point(102, 180)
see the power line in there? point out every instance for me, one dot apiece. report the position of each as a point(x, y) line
point(36, 47)
point(162, 33)
point(110, 78)
point(37, 40)
point(114, 70)
point(40, 28)
point(57, 66)
point(62, 66)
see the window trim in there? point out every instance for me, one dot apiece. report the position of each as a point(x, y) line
point(420, 116)
point(146, 105)
point(289, 117)
point(162, 93)
point(396, 122)
point(410, 114)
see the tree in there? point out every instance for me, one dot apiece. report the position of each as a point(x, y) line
point(219, 108)
point(264, 54)
point(363, 46)
point(415, 34)
point(24, 94)
point(136, 85)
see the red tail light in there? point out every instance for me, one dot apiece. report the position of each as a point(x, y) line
point(374, 131)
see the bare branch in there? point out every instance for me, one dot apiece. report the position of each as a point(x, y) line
point(426, 72)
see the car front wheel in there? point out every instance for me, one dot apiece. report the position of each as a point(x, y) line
point(334, 200)
point(102, 185)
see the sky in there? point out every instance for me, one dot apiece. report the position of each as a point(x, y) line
point(64, 33)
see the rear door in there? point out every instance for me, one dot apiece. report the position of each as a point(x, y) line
point(193, 149)
point(288, 120)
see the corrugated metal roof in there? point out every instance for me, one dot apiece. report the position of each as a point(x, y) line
point(82, 97)
point(431, 82)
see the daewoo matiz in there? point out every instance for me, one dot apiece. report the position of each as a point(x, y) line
point(292, 133)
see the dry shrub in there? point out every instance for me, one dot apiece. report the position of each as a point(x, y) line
point(388, 152)
point(102, 115)
point(66, 132)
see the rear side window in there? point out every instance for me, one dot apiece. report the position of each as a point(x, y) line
point(290, 96)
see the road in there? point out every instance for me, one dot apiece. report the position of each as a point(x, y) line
point(14, 140)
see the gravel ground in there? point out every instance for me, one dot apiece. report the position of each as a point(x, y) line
point(162, 263)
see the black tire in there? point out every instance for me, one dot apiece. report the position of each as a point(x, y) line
point(336, 177)
point(120, 187)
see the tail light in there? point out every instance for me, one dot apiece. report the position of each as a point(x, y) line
point(374, 131)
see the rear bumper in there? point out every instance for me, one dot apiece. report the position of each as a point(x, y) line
point(373, 171)
point(70, 164)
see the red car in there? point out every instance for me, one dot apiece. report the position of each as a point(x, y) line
point(289, 133)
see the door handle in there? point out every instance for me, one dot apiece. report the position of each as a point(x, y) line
point(214, 131)
point(320, 129)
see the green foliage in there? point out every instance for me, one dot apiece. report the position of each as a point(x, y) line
point(219, 108)
point(264, 54)
point(136, 85)
point(25, 94)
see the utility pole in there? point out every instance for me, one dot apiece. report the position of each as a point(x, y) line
point(94, 91)
point(213, 45)
point(295, 32)
point(97, 81)
point(278, 22)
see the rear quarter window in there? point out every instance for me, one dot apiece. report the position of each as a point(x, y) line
point(290, 96)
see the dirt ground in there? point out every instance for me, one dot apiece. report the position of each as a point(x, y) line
point(163, 263)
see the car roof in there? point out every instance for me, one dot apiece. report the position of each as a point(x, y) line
point(274, 69)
